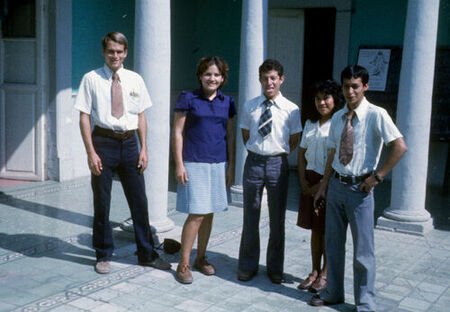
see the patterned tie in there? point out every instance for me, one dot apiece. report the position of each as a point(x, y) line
point(265, 121)
point(116, 97)
point(346, 149)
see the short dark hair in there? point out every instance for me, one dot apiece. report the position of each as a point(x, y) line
point(206, 62)
point(328, 87)
point(116, 37)
point(269, 65)
point(355, 71)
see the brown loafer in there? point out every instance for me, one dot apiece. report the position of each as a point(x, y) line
point(319, 284)
point(183, 274)
point(102, 267)
point(307, 282)
point(203, 266)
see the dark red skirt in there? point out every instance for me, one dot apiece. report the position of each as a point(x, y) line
point(307, 218)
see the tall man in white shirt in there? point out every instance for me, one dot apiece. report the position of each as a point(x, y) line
point(113, 100)
point(355, 141)
point(271, 128)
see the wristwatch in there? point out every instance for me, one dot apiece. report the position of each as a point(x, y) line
point(379, 180)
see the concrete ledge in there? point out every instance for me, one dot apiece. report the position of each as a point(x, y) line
point(414, 228)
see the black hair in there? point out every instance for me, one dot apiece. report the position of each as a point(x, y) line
point(328, 87)
point(355, 71)
point(269, 65)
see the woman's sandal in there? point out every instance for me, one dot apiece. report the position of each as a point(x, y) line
point(319, 284)
point(307, 282)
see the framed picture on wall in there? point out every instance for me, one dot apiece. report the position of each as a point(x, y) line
point(376, 61)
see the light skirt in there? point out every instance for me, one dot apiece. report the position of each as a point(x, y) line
point(205, 192)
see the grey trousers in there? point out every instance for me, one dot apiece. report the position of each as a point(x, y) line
point(346, 204)
point(259, 172)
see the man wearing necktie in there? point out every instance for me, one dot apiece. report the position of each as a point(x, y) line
point(357, 133)
point(113, 100)
point(271, 128)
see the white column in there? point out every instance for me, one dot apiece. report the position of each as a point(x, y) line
point(152, 61)
point(253, 52)
point(409, 178)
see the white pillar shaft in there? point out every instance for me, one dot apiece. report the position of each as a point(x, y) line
point(414, 111)
point(253, 51)
point(152, 61)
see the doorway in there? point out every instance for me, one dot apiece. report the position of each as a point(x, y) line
point(21, 90)
point(318, 54)
point(303, 41)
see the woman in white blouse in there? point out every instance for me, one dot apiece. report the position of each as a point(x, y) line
point(312, 158)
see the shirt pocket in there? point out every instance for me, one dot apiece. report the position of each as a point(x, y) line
point(133, 98)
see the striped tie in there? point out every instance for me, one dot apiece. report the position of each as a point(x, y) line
point(265, 121)
point(346, 148)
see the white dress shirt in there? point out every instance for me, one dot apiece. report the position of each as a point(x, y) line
point(314, 140)
point(94, 98)
point(371, 127)
point(285, 122)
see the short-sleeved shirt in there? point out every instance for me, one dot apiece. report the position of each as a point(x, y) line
point(285, 122)
point(314, 140)
point(371, 127)
point(94, 98)
point(205, 129)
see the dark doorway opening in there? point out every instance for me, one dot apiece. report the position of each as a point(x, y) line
point(318, 53)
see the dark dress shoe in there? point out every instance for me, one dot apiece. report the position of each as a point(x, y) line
point(276, 278)
point(157, 263)
point(316, 301)
point(245, 276)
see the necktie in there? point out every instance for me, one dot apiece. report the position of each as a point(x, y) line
point(116, 97)
point(265, 121)
point(346, 148)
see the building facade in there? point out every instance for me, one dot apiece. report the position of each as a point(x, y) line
point(47, 45)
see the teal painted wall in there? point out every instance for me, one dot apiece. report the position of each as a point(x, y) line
point(199, 28)
point(202, 28)
point(379, 23)
point(382, 22)
point(91, 20)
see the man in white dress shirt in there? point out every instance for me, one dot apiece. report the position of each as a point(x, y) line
point(350, 175)
point(113, 100)
point(271, 128)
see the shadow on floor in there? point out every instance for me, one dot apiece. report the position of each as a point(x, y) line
point(226, 269)
point(49, 211)
point(38, 246)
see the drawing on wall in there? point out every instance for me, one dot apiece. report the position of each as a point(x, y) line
point(377, 63)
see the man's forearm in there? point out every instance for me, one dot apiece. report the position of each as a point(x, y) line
point(142, 130)
point(85, 128)
point(397, 150)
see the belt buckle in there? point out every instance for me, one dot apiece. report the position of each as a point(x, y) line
point(341, 178)
point(119, 132)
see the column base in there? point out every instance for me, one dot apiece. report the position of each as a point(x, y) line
point(161, 226)
point(237, 195)
point(414, 228)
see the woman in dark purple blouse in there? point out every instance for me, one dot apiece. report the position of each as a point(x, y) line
point(203, 145)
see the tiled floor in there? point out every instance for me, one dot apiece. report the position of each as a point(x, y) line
point(46, 260)
point(4, 183)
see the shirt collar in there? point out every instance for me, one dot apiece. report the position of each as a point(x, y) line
point(361, 110)
point(277, 101)
point(109, 72)
point(199, 93)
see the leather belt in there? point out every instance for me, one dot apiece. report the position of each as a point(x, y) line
point(259, 156)
point(348, 179)
point(118, 135)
